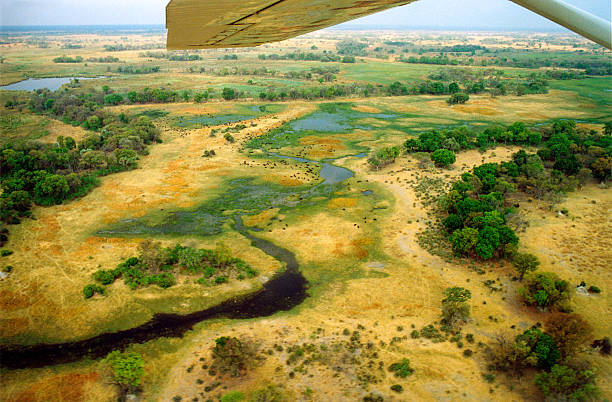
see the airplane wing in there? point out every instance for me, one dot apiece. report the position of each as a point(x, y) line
point(203, 24)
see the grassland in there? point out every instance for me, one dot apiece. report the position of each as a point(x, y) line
point(359, 252)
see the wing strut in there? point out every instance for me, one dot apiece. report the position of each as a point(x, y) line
point(583, 23)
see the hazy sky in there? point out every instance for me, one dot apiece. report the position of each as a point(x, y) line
point(430, 13)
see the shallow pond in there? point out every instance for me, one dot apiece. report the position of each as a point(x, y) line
point(331, 118)
point(243, 112)
point(32, 84)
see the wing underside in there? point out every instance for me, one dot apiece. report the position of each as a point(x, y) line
point(201, 24)
point(196, 24)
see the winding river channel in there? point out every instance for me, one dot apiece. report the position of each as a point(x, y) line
point(281, 293)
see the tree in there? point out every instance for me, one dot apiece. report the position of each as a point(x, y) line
point(602, 168)
point(383, 157)
point(233, 356)
point(525, 262)
point(454, 306)
point(570, 332)
point(113, 99)
point(228, 94)
point(565, 383)
point(453, 88)
point(443, 157)
point(545, 289)
point(488, 241)
point(543, 349)
point(506, 355)
point(51, 189)
point(127, 369)
point(464, 240)
point(458, 98)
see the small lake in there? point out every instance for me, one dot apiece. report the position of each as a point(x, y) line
point(32, 84)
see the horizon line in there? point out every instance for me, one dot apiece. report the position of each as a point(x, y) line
point(344, 27)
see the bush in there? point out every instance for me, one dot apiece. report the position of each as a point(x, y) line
point(90, 290)
point(231, 355)
point(570, 332)
point(228, 94)
point(454, 306)
point(402, 368)
point(270, 393)
point(532, 348)
point(164, 280)
point(594, 289)
point(229, 138)
point(568, 383)
point(467, 352)
point(397, 388)
point(5, 252)
point(545, 289)
point(524, 263)
point(543, 351)
point(458, 98)
point(234, 396)
point(106, 277)
point(443, 157)
point(127, 369)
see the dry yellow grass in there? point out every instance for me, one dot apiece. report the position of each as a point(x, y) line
point(60, 245)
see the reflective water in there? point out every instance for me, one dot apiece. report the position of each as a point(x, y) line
point(32, 84)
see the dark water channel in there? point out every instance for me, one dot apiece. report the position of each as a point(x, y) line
point(281, 293)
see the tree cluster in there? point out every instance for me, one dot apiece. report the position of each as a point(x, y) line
point(383, 157)
point(47, 174)
point(160, 266)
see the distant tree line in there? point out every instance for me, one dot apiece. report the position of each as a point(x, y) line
point(67, 59)
point(172, 56)
point(122, 47)
point(325, 56)
point(107, 59)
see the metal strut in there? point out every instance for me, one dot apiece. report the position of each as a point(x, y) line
point(583, 23)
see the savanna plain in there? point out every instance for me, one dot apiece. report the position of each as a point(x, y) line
point(345, 216)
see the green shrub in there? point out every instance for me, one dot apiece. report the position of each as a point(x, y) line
point(565, 383)
point(458, 98)
point(270, 393)
point(524, 263)
point(106, 277)
point(545, 289)
point(127, 369)
point(90, 290)
point(164, 280)
point(5, 252)
point(234, 396)
point(594, 289)
point(401, 369)
point(443, 157)
point(397, 388)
